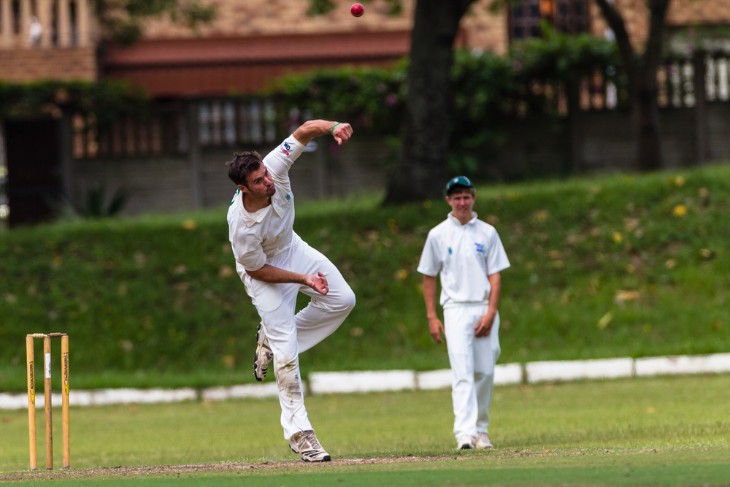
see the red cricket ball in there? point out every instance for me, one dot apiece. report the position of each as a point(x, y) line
point(357, 9)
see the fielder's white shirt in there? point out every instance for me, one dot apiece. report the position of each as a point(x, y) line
point(256, 238)
point(463, 256)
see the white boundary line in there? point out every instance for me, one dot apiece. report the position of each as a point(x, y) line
point(402, 380)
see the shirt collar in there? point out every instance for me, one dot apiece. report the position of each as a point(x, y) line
point(455, 221)
point(250, 219)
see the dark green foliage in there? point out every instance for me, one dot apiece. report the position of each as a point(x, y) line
point(121, 20)
point(484, 97)
point(603, 267)
point(96, 204)
point(492, 90)
point(105, 101)
point(562, 57)
point(489, 91)
point(370, 98)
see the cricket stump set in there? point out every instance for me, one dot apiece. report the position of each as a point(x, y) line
point(47, 392)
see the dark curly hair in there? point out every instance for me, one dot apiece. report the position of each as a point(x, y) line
point(243, 164)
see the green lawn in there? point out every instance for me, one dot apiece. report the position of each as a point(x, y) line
point(652, 431)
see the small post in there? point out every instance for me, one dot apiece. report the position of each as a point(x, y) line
point(30, 360)
point(48, 398)
point(48, 401)
point(65, 387)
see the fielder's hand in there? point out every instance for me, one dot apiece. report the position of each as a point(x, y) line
point(484, 326)
point(436, 328)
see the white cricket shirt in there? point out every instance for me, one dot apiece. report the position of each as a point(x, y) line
point(256, 238)
point(463, 256)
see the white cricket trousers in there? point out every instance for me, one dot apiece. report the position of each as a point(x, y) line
point(472, 362)
point(290, 334)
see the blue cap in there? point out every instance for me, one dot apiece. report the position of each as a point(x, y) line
point(457, 182)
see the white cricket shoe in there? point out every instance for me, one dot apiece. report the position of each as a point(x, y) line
point(465, 442)
point(263, 355)
point(483, 442)
point(306, 444)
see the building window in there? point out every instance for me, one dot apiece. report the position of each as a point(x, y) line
point(73, 13)
point(54, 23)
point(569, 16)
point(15, 9)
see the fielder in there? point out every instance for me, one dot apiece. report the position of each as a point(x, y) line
point(275, 264)
point(468, 255)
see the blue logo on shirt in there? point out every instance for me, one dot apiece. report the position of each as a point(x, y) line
point(450, 251)
point(285, 148)
point(288, 197)
point(480, 248)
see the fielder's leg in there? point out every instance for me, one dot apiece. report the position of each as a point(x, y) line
point(487, 352)
point(459, 330)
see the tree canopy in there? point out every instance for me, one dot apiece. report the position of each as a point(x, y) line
point(121, 20)
point(422, 164)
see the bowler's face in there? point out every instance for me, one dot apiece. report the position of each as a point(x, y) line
point(461, 203)
point(260, 183)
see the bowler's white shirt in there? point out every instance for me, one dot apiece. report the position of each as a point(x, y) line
point(463, 256)
point(256, 238)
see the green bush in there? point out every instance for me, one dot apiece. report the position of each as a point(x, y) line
point(371, 98)
point(484, 96)
point(561, 57)
point(105, 101)
point(489, 91)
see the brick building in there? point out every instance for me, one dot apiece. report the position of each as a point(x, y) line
point(250, 42)
point(41, 39)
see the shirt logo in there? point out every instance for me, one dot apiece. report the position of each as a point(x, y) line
point(480, 248)
point(234, 196)
point(285, 148)
point(288, 197)
point(450, 251)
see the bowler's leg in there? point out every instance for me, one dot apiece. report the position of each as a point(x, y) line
point(275, 304)
point(324, 313)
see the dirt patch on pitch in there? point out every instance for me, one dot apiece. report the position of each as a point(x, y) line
point(174, 470)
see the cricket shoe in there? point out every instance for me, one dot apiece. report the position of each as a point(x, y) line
point(483, 442)
point(465, 442)
point(306, 444)
point(263, 355)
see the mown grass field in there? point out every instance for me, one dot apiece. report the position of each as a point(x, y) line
point(602, 266)
point(655, 431)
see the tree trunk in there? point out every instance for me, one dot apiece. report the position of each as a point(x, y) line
point(649, 150)
point(575, 128)
point(646, 123)
point(420, 171)
point(641, 71)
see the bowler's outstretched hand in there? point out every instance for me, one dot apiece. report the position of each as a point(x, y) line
point(342, 133)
